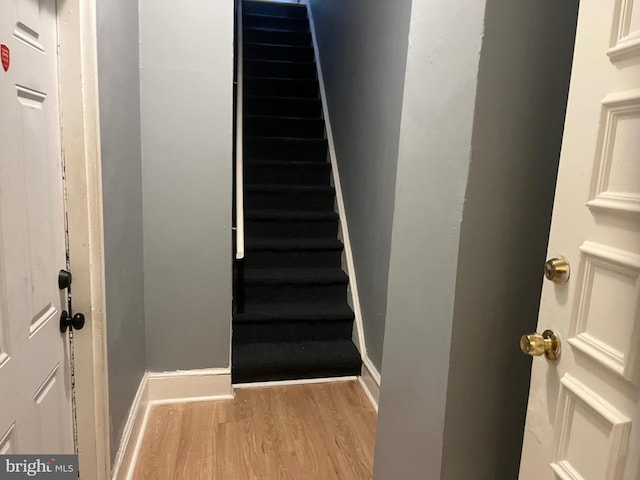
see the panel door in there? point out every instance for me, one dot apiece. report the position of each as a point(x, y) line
point(35, 380)
point(583, 419)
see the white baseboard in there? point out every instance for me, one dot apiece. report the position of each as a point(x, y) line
point(190, 385)
point(370, 382)
point(285, 383)
point(133, 433)
point(165, 387)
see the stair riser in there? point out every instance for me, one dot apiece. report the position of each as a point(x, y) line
point(276, 37)
point(319, 174)
point(291, 332)
point(297, 70)
point(291, 229)
point(285, 150)
point(294, 372)
point(273, 52)
point(293, 259)
point(284, 23)
point(279, 201)
point(282, 107)
point(263, 8)
point(281, 88)
point(301, 293)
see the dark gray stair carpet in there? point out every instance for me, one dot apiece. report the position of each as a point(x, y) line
point(291, 319)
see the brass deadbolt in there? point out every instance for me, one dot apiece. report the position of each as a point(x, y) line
point(557, 270)
point(547, 344)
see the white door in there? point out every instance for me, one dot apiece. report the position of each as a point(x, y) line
point(35, 380)
point(583, 419)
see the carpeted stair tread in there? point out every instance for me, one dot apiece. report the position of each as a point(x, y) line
point(277, 87)
point(295, 276)
point(278, 36)
point(279, 126)
point(274, 28)
point(275, 21)
point(276, 45)
point(274, 51)
point(289, 215)
point(270, 16)
point(286, 148)
point(295, 140)
point(289, 360)
point(280, 80)
point(281, 117)
point(281, 98)
point(286, 172)
point(282, 106)
point(295, 312)
point(290, 197)
point(276, 164)
point(278, 63)
point(293, 244)
point(290, 9)
point(280, 69)
point(290, 189)
point(257, 162)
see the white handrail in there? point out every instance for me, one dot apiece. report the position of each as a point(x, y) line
point(239, 142)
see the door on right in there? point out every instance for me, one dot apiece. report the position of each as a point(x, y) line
point(583, 416)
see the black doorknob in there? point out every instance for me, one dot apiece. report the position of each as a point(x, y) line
point(73, 322)
point(64, 279)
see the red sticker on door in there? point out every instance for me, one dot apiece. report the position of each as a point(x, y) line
point(6, 57)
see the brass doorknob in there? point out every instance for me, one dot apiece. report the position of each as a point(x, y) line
point(547, 344)
point(557, 270)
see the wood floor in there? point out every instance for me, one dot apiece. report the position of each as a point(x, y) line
point(302, 432)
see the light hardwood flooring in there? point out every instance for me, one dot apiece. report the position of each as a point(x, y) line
point(303, 432)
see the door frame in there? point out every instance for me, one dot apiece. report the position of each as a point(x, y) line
point(80, 141)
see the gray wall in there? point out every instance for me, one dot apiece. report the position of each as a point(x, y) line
point(186, 58)
point(465, 277)
point(520, 106)
point(433, 164)
point(122, 202)
point(363, 50)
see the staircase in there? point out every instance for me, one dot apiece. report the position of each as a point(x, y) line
point(291, 318)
